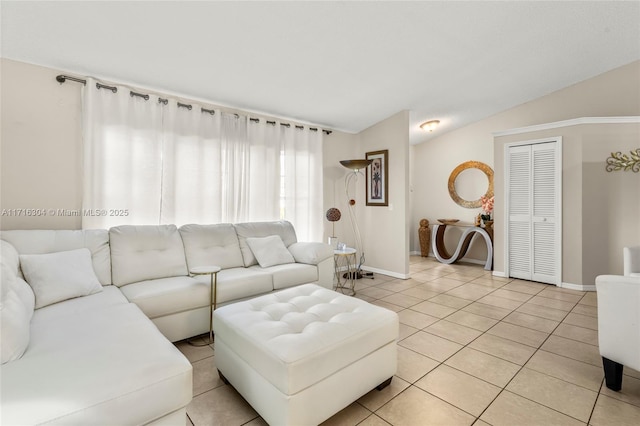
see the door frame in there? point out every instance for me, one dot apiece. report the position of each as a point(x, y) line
point(507, 173)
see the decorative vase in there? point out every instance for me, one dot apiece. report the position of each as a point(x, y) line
point(424, 234)
point(488, 226)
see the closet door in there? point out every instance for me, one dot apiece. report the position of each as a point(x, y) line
point(534, 227)
point(519, 204)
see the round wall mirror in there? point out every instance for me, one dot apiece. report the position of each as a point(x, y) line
point(467, 184)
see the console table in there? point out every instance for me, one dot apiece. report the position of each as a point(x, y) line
point(441, 253)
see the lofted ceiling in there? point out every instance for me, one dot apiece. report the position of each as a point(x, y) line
point(341, 65)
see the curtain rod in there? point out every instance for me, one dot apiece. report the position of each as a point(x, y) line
point(63, 78)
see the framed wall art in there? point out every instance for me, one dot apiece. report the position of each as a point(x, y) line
point(378, 178)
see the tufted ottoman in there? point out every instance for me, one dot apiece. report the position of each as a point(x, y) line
point(301, 355)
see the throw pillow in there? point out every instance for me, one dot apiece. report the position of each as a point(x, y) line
point(270, 251)
point(59, 276)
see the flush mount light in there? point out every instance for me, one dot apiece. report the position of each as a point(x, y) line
point(429, 125)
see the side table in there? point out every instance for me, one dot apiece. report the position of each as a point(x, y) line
point(345, 258)
point(213, 295)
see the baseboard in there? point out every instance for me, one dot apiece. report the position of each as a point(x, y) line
point(474, 261)
point(389, 273)
point(419, 253)
point(464, 259)
point(499, 274)
point(579, 287)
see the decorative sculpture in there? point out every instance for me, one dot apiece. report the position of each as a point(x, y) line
point(424, 233)
point(333, 215)
point(619, 161)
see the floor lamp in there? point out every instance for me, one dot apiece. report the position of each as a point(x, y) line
point(356, 166)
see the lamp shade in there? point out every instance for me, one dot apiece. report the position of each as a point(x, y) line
point(333, 214)
point(356, 164)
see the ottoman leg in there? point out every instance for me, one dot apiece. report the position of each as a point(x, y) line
point(224, 379)
point(612, 374)
point(384, 384)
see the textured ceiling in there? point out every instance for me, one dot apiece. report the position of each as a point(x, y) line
point(342, 65)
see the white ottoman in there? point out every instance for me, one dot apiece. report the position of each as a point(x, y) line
point(301, 355)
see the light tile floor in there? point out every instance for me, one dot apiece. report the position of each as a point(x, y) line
point(473, 349)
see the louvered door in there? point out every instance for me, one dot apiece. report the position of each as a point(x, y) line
point(519, 196)
point(533, 204)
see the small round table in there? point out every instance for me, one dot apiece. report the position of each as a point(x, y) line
point(213, 295)
point(344, 259)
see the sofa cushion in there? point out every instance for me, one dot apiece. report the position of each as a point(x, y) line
point(269, 251)
point(110, 295)
point(55, 277)
point(106, 365)
point(291, 274)
point(239, 283)
point(165, 296)
point(207, 245)
point(51, 241)
point(146, 252)
point(263, 229)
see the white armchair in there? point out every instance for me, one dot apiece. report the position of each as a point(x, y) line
point(631, 261)
point(618, 325)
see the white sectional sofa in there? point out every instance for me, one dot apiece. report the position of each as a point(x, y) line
point(95, 346)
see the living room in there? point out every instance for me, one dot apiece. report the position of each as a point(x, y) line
point(42, 135)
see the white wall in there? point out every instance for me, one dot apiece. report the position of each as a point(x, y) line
point(40, 146)
point(600, 210)
point(433, 163)
point(385, 230)
point(615, 93)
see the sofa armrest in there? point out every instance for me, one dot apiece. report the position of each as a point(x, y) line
point(310, 253)
point(631, 261)
point(619, 318)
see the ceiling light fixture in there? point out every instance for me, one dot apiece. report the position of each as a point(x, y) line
point(429, 125)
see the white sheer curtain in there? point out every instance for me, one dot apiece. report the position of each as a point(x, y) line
point(303, 194)
point(122, 158)
point(206, 173)
point(151, 162)
point(264, 158)
point(191, 180)
point(234, 168)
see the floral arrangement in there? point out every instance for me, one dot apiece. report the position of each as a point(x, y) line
point(487, 207)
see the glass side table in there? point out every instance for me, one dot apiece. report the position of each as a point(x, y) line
point(344, 259)
point(213, 295)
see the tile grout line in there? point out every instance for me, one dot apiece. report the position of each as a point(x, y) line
point(504, 388)
point(518, 372)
